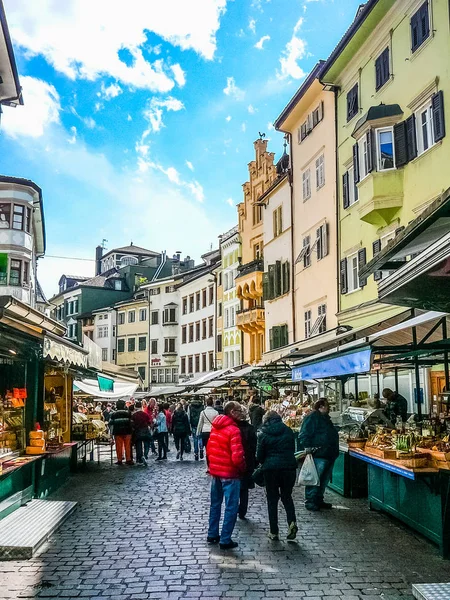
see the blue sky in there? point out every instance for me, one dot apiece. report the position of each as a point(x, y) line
point(139, 116)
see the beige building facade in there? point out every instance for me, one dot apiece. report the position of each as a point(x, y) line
point(309, 118)
point(132, 336)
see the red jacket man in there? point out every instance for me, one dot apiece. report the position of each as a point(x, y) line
point(226, 462)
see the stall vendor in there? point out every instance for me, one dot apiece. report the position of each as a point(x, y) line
point(396, 405)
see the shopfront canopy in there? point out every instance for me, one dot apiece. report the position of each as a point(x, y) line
point(120, 389)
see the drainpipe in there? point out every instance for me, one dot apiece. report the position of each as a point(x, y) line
point(291, 186)
point(337, 229)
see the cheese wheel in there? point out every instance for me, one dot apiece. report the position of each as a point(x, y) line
point(32, 450)
point(36, 435)
point(38, 444)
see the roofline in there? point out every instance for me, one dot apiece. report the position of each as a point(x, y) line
point(365, 12)
point(206, 270)
point(272, 188)
point(150, 253)
point(315, 74)
point(31, 184)
point(11, 56)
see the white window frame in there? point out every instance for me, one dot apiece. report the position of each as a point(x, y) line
point(352, 199)
point(363, 158)
point(320, 171)
point(104, 354)
point(426, 107)
point(351, 272)
point(306, 184)
point(121, 318)
point(308, 318)
point(377, 141)
point(131, 312)
point(142, 311)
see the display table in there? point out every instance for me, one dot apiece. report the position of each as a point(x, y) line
point(349, 477)
point(17, 483)
point(54, 469)
point(417, 497)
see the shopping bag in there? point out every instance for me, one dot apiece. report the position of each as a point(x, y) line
point(258, 477)
point(308, 473)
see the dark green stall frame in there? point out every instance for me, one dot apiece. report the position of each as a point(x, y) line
point(17, 487)
point(349, 476)
point(54, 470)
point(420, 500)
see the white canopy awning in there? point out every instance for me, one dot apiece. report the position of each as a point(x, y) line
point(121, 389)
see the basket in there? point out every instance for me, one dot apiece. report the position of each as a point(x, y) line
point(356, 443)
point(415, 462)
point(380, 453)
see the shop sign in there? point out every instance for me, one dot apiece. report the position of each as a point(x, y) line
point(344, 364)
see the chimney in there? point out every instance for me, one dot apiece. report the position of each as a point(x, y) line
point(178, 253)
point(98, 260)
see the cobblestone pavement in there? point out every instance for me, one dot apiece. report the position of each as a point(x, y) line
point(141, 533)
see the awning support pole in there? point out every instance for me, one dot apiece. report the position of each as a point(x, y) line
point(417, 373)
point(356, 387)
point(446, 365)
point(378, 384)
point(396, 379)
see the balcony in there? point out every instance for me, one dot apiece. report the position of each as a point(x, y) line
point(381, 197)
point(251, 320)
point(251, 267)
point(23, 294)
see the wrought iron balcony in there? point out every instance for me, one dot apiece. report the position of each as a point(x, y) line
point(251, 267)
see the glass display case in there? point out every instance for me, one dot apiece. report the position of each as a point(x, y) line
point(57, 406)
point(12, 428)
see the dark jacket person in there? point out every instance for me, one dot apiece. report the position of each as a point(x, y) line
point(320, 436)
point(180, 429)
point(248, 436)
point(275, 451)
point(396, 405)
point(256, 412)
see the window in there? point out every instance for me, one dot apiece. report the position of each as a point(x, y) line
point(197, 331)
point(320, 172)
point(277, 221)
point(121, 345)
point(170, 315)
point(349, 189)
point(257, 251)
point(154, 317)
point(154, 375)
point(306, 181)
point(18, 216)
point(4, 271)
point(352, 102)
point(160, 375)
point(204, 329)
point(15, 270)
point(420, 26)
point(320, 323)
point(322, 241)
point(142, 344)
point(131, 316)
point(385, 149)
point(220, 309)
point(197, 363)
point(219, 343)
point(113, 355)
point(5, 215)
point(204, 362)
point(352, 273)
point(121, 318)
point(227, 318)
point(211, 361)
point(168, 375)
point(191, 303)
point(143, 314)
point(184, 334)
point(197, 301)
point(154, 346)
point(307, 255)
point(364, 157)
point(278, 337)
point(190, 364)
point(211, 295)
point(185, 305)
point(232, 316)
point(169, 345)
point(141, 371)
point(102, 331)
point(424, 125)
point(257, 214)
point(72, 330)
point(170, 289)
point(28, 220)
point(220, 279)
point(104, 354)
point(118, 285)
point(175, 375)
point(26, 273)
point(155, 291)
point(211, 326)
point(307, 323)
point(183, 365)
point(114, 331)
point(382, 70)
point(204, 298)
point(131, 344)
point(191, 332)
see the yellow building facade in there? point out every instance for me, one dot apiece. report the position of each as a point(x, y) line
point(390, 73)
point(249, 281)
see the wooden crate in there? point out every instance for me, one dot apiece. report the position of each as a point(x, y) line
point(413, 463)
point(386, 454)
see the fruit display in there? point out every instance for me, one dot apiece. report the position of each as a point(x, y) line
point(12, 432)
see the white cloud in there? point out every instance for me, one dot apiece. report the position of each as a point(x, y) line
point(251, 109)
point(42, 108)
point(244, 127)
point(89, 122)
point(129, 118)
point(259, 45)
point(230, 201)
point(295, 50)
point(252, 25)
point(108, 92)
point(196, 190)
point(232, 89)
point(228, 119)
point(83, 39)
point(154, 112)
point(270, 126)
point(73, 137)
point(179, 74)
point(190, 166)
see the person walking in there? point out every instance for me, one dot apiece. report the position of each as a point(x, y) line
point(121, 427)
point(249, 442)
point(180, 429)
point(161, 432)
point(256, 412)
point(218, 406)
point(226, 465)
point(205, 421)
point(319, 437)
point(276, 454)
point(194, 411)
point(168, 423)
point(152, 410)
point(142, 433)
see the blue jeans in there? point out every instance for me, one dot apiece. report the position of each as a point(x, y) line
point(197, 439)
point(220, 488)
point(142, 448)
point(314, 494)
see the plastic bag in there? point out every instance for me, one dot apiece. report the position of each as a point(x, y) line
point(308, 473)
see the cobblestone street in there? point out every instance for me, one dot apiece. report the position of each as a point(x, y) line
point(141, 533)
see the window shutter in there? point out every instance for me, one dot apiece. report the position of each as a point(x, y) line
point(415, 31)
point(266, 286)
point(277, 287)
point(437, 103)
point(280, 219)
point(271, 338)
point(299, 135)
point(362, 259)
point(284, 335)
point(376, 247)
point(356, 163)
point(345, 190)
point(411, 139)
point(400, 144)
point(287, 274)
point(319, 243)
point(271, 294)
point(343, 276)
point(424, 22)
point(324, 240)
point(378, 72)
point(322, 111)
point(276, 337)
point(275, 228)
point(370, 148)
